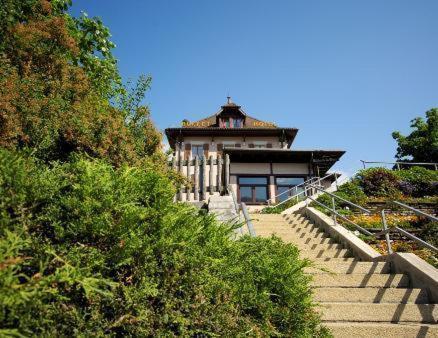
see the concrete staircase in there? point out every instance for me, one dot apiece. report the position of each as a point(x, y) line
point(356, 298)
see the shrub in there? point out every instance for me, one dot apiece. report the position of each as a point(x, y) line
point(352, 192)
point(424, 182)
point(86, 249)
point(378, 182)
point(407, 188)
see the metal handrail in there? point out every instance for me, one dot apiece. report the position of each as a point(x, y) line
point(342, 199)
point(249, 224)
point(291, 197)
point(398, 163)
point(305, 185)
point(294, 187)
point(333, 211)
point(386, 231)
point(316, 178)
point(244, 211)
point(418, 212)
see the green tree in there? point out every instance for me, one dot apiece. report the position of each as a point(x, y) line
point(421, 145)
point(60, 90)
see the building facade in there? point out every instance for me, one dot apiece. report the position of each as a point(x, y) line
point(253, 157)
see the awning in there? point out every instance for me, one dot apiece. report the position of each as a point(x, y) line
point(321, 160)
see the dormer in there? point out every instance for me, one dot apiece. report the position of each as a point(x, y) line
point(230, 116)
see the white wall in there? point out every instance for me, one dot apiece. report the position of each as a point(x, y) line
point(290, 168)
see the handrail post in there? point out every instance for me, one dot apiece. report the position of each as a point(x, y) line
point(385, 228)
point(248, 220)
point(334, 210)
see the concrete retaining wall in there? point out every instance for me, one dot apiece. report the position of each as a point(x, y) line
point(422, 274)
point(346, 237)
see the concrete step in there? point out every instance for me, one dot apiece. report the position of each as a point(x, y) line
point(366, 312)
point(312, 241)
point(298, 233)
point(325, 253)
point(380, 330)
point(264, 222)
point(350, 267)
point(335, 260)
point(371, 295)
point(309, 232)
point(358, 280)
point(315, 246)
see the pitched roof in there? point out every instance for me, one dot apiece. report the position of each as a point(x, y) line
point(210, 126)
point(229, 108)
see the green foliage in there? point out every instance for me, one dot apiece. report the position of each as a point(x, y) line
point(378, 182)
point(90, 250)
point(95, 54)
point(350, 191)
point(424, 182)
point(430, 233)
point(421, 145)
point(60, 90)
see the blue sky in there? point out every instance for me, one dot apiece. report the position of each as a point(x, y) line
point(346, 73)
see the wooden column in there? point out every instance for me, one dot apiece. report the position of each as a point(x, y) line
point(219, 173)
point(211, 181)
point(180, 169)
point(227, 171)
point(174, 162)
point(196, 183)
point(189, 189)
point(204, 179)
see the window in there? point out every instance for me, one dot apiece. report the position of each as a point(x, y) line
point(253, 189)
point(259, 145)
point(285, 186)
point(237, 123)
point(197, 150)
point(231, 122)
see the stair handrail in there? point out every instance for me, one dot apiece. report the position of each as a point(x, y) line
point(242, 207)
point(294, 187)
point(304, 184)
point(419, 241)
point(398, 163)
point(336, 214)
point(249, 224)
point(386, 231)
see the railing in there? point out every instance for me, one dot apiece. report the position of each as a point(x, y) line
point(336, 214)
point(245, 213)
point(419, 241)
point(248, 220)
point(293, 188)
point(305, 188)
point(386, 231)
point(400, 164)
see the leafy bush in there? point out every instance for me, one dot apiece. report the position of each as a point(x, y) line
point(352, 192)
point(422, 181)
point(86, 249)
point(407, 188)
point(378, 182)
point(60, 90)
